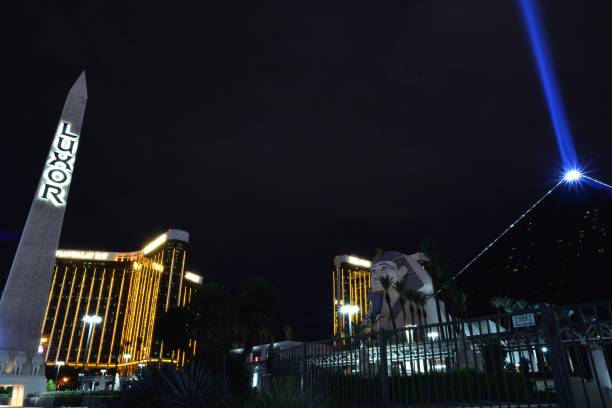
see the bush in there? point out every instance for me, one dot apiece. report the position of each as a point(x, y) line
point(282, 395)
point(463, 385)
point(190, 386)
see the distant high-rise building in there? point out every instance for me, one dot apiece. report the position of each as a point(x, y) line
point(128, 291)
point(351, 286)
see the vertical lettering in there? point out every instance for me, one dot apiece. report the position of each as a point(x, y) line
point(65, 130)
point(58, 159)
point(54, 191)
point(60, 144)
point(53, 176)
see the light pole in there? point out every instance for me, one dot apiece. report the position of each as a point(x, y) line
point(90, 320)
point(349, 310)
point(127, 357)
point(59, 365)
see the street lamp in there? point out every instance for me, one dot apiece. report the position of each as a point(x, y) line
point(90, 320)
point(59, 364)
point(349, 310)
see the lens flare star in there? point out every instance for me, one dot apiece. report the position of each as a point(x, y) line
point(572, 175)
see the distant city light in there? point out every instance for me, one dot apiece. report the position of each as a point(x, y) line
point(544, 349)
point(572, 175)
point(433, 335)
point(349, 309)
point(353, 260)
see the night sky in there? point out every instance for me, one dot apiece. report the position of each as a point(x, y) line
point(280, 134)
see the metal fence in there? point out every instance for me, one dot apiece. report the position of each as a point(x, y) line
point(547, 357)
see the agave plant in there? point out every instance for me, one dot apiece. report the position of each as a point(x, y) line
point(191, 387)
point(142, 392)
point(282, 395)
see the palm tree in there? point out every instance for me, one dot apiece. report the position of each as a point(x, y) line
point(257, 303)
point(387, 282)
point(419, 299)
point(400, 288)
point(438, 265)
point(411, 295)
point(503, 304)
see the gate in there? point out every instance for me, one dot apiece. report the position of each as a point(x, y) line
point(546, 357)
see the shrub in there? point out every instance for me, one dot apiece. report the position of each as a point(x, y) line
point(190, 386)
point(282, 395)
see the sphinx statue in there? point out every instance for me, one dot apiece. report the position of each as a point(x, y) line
point(400, 268)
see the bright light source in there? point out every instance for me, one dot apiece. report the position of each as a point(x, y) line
point(103, 371)
point(155, 243)
point(572, 175)
point(41, 349)
point(349, 309)
point(433, 335)
point(544, 349)
point(92, 319)
point(193, 277)
point(127, 356)
point(60, 363)
point(358, 261)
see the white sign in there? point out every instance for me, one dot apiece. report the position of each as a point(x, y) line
point(92, 255)
point(60, 164)
point(524, 320)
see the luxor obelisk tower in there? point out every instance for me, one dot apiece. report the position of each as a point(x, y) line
point(26, 292)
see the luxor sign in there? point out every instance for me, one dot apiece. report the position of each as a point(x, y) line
point(57, 173)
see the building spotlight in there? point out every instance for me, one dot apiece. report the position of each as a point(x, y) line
point(572, 175)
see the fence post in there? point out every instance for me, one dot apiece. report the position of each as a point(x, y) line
point(383, 367)
point(304, 370)
point(557, 357)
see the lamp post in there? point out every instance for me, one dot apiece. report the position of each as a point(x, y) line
point(127, 357)
point(90, 320)
point(349, 310)
point(59, 364)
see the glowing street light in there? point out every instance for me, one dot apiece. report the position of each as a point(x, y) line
point(572, 175)
point(59, 364)
point(349, 310)
point(90, 320)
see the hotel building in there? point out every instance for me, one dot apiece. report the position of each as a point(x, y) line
point(125, 292)
point(351, 284)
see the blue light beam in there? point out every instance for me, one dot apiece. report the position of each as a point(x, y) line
point(548, 80)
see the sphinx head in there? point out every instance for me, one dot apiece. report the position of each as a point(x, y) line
point(390, 263)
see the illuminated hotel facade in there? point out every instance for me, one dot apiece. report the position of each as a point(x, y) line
point(351, 284)
point(128, 291)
